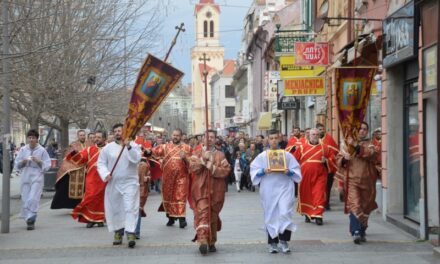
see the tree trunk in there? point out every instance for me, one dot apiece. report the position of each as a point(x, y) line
point(64, 135)
point(33, 122)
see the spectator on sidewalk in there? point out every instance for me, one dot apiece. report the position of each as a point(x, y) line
point(32, 161)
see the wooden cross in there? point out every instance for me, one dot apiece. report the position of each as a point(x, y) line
point(205, 72)
point(179, 28)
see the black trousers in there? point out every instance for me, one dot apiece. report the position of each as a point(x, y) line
point(284, 237)
point(330, 179)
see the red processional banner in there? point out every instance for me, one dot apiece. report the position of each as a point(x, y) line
point(155, 81)
point(353, 89)
point(311, 53)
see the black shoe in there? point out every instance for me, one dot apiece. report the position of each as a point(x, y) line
point(363, 239)
point(100, 224)
point(203, 249)
point(319, 221)
point(90, 225)
point(131, 240)
point(327, 207)
point(182, 222)
point(30, 224)
point(170, 221)
point(307, 219)
point(357, 239)
point(117, 239)
point(212, 248)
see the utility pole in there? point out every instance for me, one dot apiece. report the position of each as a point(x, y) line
point(438, 118)
point(6, 121)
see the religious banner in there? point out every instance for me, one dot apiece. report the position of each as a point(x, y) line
point(311, 53)
point(304, 86)
point(353, 88)
point(155, 80)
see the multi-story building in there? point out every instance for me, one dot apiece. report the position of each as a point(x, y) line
point(400, 39)
point(175, 111)
point(223, 98)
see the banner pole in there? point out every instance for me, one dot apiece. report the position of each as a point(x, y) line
point(205, 74)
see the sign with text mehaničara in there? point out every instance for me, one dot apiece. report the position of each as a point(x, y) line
point(311, 53)
point(304, 86)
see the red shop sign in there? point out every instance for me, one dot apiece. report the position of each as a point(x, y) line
point(311, 53)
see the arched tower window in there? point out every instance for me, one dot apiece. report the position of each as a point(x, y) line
point(205, 29)
point(211, 29)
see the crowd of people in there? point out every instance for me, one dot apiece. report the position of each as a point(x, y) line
point(107, 179)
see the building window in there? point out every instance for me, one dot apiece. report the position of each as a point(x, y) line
point(412, 155)
point(205, 29)
point(229, 91)
point(211, 29)
point(229, 111)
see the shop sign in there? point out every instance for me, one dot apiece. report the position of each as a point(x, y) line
point(430, 68)
point(311, 53)
point(289, 69)
point(270, 89)
point(238, 119)
point(287, 103)
point(304, 86)
point(400, 41)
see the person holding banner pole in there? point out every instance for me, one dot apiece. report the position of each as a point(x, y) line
point(357, 167)
point(209, 169)
point(121, 202)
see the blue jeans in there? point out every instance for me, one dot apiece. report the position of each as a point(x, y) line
point(356, 227)
point(137, 231)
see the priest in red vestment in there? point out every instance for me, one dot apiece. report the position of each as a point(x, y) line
point(209, 169)
point(175, 178)
point(70, 180)
point(91, 208)
point(314, 158)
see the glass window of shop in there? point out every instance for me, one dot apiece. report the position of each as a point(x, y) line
point(412, 155)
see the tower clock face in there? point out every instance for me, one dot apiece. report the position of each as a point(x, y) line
point(208, 14)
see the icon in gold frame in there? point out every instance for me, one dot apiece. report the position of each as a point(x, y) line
point(276, 160)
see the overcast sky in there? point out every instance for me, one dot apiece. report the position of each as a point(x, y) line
point(231, 23)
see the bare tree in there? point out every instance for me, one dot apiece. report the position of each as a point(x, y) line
point(74, 59)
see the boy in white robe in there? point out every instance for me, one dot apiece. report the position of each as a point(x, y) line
point(277, 194)
point(121, 201)
point(32, 162)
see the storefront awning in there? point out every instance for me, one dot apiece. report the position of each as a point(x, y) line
point(265, 121)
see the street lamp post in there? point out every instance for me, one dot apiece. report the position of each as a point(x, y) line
point(6, 181)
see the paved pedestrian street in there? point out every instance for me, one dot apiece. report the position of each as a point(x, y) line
point(58, 239)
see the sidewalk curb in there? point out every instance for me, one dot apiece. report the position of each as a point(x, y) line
point(436, 251)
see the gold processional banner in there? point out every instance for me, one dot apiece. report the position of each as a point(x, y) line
point(154, 82)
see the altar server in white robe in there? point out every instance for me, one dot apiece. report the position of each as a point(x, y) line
point(121, 201)
point(277, 194)
point(32, 162)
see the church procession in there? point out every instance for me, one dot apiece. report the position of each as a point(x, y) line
point(223, 131)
